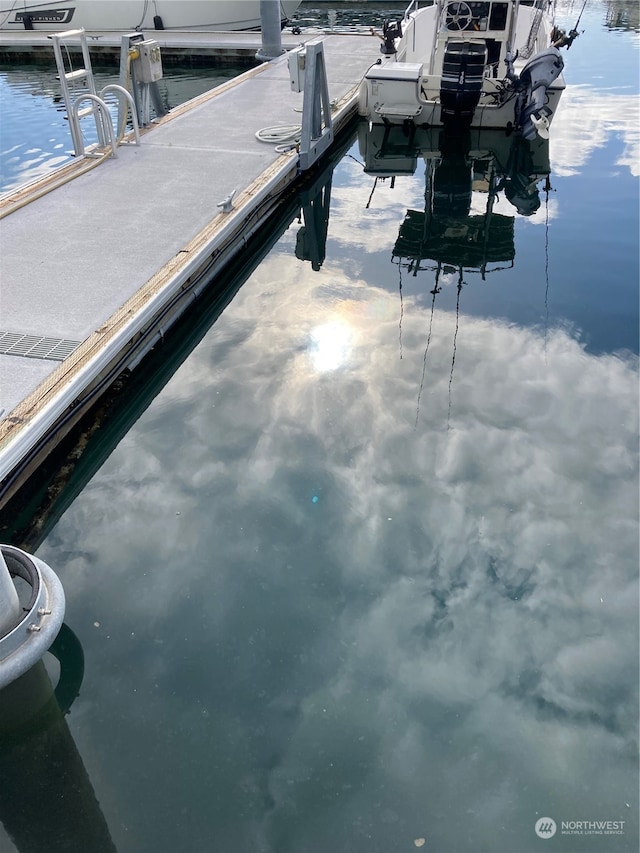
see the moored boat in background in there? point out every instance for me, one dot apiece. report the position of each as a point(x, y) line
point(128, 15)
point(482, 64)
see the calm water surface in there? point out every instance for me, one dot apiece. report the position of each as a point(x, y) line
point(363, 574)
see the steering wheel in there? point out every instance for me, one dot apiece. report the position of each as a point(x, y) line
point(459, 16)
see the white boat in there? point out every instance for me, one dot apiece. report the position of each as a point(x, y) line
point(128, 15)
point(492, 64)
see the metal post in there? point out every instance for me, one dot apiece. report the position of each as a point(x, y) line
point(127, 73)
point(317, 125)
point(143, 93)
point(271, 34)
point(24, 642)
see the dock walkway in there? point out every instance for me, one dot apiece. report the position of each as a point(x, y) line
point(92, 267)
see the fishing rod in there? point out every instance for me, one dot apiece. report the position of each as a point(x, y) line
point(580, 15)
point(573, 33)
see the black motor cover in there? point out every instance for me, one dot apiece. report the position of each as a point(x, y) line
point(462, 74)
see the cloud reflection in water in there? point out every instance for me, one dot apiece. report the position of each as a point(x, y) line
point(585, 121)
point(443, 645)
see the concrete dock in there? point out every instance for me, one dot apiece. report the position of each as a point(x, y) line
point(96, 263)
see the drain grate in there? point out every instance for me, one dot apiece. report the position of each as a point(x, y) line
point(35, 346)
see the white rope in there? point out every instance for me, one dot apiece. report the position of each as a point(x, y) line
point(285, 136)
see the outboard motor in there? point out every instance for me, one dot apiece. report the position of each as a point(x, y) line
point(536, 77)
point(462, 75)
point(391, 30)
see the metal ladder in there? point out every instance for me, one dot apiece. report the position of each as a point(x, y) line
point(78, 86)
point(77, 83)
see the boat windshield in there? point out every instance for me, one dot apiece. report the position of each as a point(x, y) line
point(475, 16)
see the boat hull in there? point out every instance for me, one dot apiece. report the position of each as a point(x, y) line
point(397, 93)
point(128, 15)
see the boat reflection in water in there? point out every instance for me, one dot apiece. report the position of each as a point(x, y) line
point(459, 229)
point(47, 801)
point(458, 232)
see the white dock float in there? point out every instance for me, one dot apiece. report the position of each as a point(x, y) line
point(96, 267)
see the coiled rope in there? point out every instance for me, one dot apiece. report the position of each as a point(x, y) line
point(284, 136)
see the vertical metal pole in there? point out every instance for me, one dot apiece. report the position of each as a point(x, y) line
point(128, 74)
point(271, 34)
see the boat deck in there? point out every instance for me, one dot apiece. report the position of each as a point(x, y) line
point(89, 267)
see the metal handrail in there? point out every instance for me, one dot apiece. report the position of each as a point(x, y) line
point(120, 90)
point(105, 117)
point(410, 9)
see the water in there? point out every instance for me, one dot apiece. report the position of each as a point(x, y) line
point(353, 565)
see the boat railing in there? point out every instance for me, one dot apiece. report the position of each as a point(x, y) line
point(410, 8)
point(414, 6)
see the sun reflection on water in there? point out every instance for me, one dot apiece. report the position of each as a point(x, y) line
point(331, 345)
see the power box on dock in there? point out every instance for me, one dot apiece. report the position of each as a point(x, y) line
point(296, 60)
point(150, 61)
